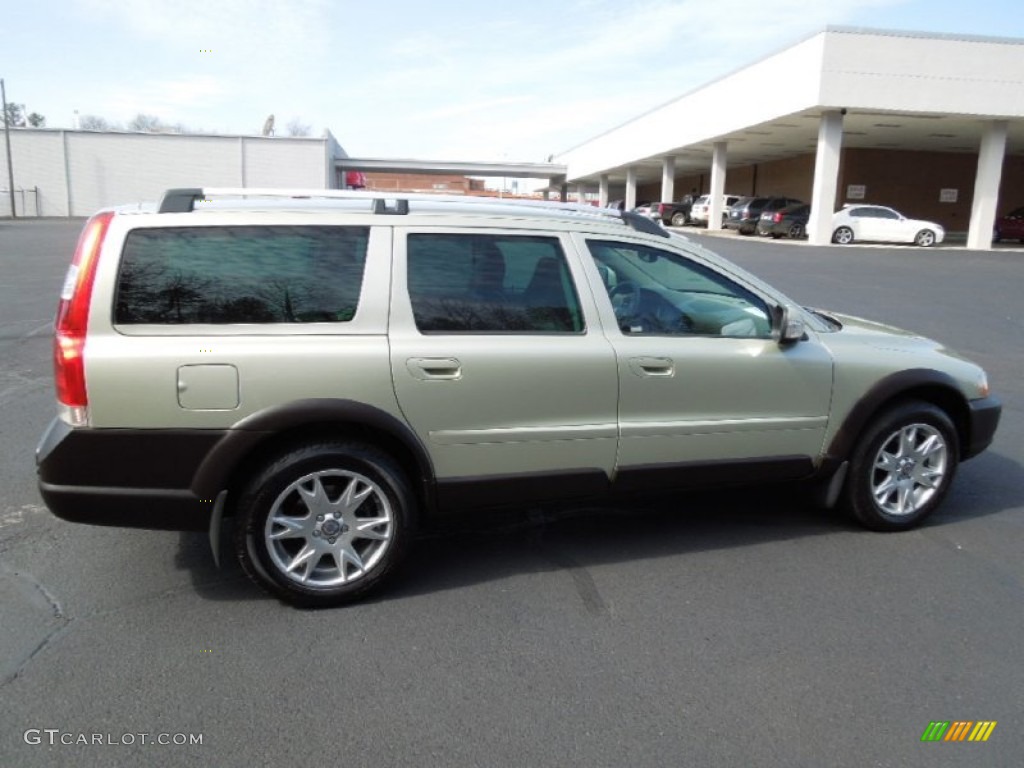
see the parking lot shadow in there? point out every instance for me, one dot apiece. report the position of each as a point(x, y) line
point(469, 549)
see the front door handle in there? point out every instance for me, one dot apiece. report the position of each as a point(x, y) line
point(660, 367)
point(434, 368)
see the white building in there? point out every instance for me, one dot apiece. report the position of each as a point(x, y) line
point(78, 172)
point(931, 124)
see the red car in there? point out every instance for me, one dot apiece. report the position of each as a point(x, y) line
point(1010, 226)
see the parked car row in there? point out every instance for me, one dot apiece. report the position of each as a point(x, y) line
point(779, 217)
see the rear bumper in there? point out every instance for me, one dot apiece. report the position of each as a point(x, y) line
point(985, 415)
point(124, 477)
point(158, 508)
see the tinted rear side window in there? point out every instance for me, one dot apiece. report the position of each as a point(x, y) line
point(491, 284)
point(241, 274)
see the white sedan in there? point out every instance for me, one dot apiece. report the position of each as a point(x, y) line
point(878, 223)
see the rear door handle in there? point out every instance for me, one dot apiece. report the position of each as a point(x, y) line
point(434, 368)
point(661, 367)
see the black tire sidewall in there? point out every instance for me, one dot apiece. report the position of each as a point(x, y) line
point(859, 499)
point(257, 500)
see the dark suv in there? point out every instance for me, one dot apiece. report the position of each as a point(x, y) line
point(744, 214)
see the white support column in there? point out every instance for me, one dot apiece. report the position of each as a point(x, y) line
point(602, 191)
point(719, 160)
point(986, 185)
point(668, 179)
point(581, 193)
point(826, 178)
point(631, 188)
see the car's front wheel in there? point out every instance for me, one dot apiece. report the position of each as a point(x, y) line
point(324, 523)
point(925, 238)
point(842, 236)
point(902, 467)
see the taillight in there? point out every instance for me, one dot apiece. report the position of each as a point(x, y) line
point(661, 208)
point(72, 320)
point(777, 217)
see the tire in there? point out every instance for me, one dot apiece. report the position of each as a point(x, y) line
point(678, 219)
point(843, 236)
point(902, 467)
point(347, 505)
point(925, 238)
point(796, 231)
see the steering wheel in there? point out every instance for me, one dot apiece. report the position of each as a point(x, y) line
point(625, 298)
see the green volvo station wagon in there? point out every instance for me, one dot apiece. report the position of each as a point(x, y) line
point(327, 369)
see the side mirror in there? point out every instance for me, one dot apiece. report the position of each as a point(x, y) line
point(789, 326)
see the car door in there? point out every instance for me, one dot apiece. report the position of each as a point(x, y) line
point(704, 388)
point(893, 227)
point(500, 366)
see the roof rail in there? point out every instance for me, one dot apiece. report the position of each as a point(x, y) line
point(183, 200)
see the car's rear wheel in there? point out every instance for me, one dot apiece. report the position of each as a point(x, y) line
point(796, 231)
point(842, 236)
point(678, 219)
point(902, 467)
point(324, 523)
point(924, 238)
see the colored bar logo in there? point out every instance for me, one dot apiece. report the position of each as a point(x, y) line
point(958, 730)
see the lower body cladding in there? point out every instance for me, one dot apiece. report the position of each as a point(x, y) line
point(146, 478)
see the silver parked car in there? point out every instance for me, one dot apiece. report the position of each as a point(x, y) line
point(327, 369)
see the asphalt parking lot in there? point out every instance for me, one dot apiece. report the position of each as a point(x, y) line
point(732, 630)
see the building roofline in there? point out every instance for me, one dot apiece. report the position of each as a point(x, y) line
point(459, 168)
point(828, 29)
point(196, 135)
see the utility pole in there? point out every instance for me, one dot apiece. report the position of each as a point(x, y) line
point(7, 138)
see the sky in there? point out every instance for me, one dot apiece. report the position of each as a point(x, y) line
point(425, 79)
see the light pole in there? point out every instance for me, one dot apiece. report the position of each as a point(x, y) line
point(7, 139)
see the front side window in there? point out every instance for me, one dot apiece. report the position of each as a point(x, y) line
point(241, 274)
point(481, 283)
point(656, 292)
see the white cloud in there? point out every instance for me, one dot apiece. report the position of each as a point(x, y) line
point(167, 99)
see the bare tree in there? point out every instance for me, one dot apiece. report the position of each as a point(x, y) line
point(145, 123)
point(298, 128)
point(94, 123)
